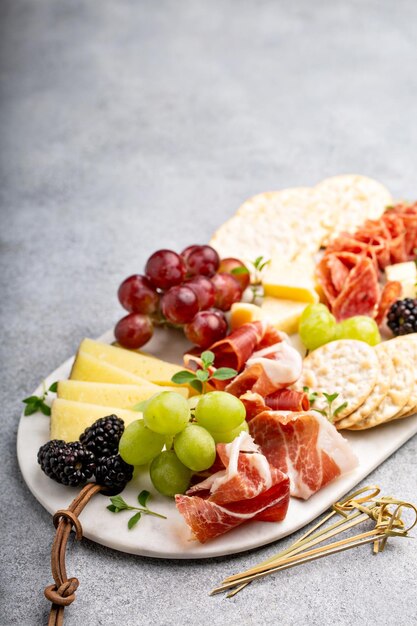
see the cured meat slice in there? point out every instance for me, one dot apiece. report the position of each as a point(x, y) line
point(254, 404)
point(236, 348)
point(247, 488)
point(279, 400)
point(396, 242)
point(332, 272)
point(391, 292)
point(268, 370)
point(288, 400)
point(304, 445)
point(408, 214)
point(360, 294)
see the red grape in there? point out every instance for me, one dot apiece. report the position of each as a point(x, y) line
point(228, 266)
point(165, 269)
point(228, 290)
point(179, 304)
point(137, 295)
point(187, 251)
point(202, 260)
point(206, 328)
point(204, 290)
point(133, 331)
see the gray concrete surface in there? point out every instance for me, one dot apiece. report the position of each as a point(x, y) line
point(128, 126)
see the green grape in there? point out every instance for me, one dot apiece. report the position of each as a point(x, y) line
point(168, 475)
point(138, 444)
point(317, 326)
point(220, 411)
point(167, 413)
point(195, 447)
point(359, 327)
point(229, 435)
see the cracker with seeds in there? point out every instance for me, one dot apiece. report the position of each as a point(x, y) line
point(377, 394)
point(347, 367)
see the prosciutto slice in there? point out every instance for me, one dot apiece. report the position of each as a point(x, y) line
point(248, 488)
point(267, 370)
point(304, 445)
point(236, 348)
point(279, 400)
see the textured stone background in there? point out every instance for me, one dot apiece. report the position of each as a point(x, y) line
point(128, 126)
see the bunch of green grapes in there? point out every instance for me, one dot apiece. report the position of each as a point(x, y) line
point(189, 441)
point(318, 326)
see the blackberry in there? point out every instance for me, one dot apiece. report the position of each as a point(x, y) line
point(67, 463)
point(113, 474)
point(402, 316)
point(102, 438)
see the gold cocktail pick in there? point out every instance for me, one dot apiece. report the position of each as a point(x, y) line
point(354, 509)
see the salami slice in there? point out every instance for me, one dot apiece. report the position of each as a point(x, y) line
point(360, 294)
point(391, 292)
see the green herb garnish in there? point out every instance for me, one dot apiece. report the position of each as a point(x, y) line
point(198, 379)
point(118, 504)
point(258, 265)
point(37, 403)
point(312, 395)
point(328, 412)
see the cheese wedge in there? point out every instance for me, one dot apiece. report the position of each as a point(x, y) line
point(89, 368)
point(283, 314)
point(110, 394)
point(137, 363)
point(406, 274)
point(291, 280)
point(69, 419)
point(243, 313)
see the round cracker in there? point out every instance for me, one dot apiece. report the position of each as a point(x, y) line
point(347, 367)
point(300, 219)
point(248, 237)
point(407, 344)
point(353, 199)
point(399, 391)
point(377, 394)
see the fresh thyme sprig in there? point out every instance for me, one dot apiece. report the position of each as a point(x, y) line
point(118, 504)
point(199, 379)
point(37, 403)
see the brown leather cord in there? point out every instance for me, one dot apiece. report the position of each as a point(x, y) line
point(62, 593)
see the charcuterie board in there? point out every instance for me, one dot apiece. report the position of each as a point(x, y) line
point(171, 538)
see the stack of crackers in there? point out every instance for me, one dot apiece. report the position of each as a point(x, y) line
point(300, 220)
point(378, 384)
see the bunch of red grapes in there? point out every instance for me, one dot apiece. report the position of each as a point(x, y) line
point(191, 289)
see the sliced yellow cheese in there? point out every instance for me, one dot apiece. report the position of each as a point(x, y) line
point(69, 419)
point(243, 313)
point(283, 314)
point(406, 274)
point(89, 368)
point(137, 363)
point(110, 394)
point(291, 280)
